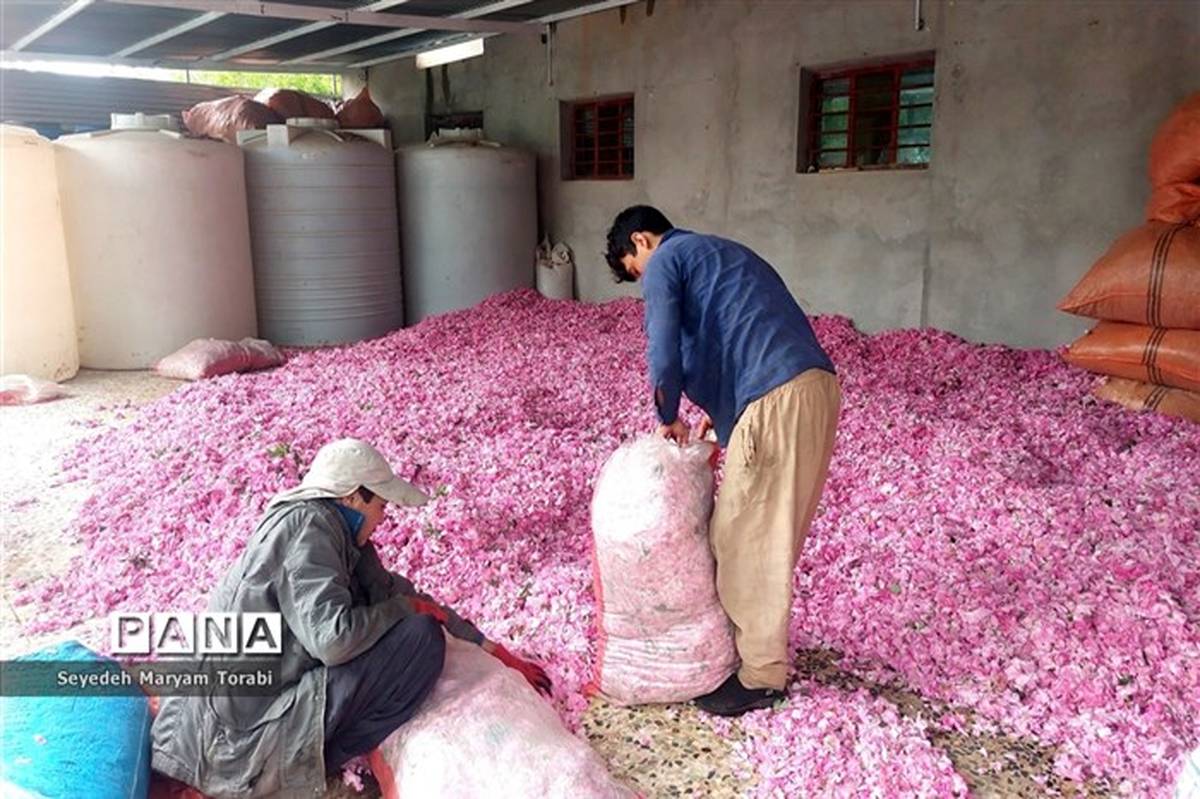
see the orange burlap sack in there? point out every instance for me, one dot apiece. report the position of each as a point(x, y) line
point(1175, 150)
point(360, 111)
point(1149, 354)
point(1148, 397)
point(290, 104)
point(1175, 202)
point(1150, 276)
point(222, 119)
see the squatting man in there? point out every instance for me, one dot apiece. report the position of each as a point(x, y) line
point(724, 329)
point(361, 647)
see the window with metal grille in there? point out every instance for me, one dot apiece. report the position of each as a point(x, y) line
point(598, 139)
point(871, 116)
point(454, 119)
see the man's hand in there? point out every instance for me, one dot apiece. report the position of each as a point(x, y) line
point(532, 672)
point(677, 431)
point(705, 426)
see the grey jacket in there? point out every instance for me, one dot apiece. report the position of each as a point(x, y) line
point(336, 601)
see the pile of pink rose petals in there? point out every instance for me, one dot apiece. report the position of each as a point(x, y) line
point(991, 537)
point(827, 742)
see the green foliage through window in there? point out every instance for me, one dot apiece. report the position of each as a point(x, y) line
point(868, 117)
point(320, 85)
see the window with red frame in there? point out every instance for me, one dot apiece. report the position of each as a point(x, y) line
point(599, 139)
point(872, 116)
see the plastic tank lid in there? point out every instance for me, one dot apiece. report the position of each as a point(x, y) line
point(19, 131)
point(312, 122)
point(140, 121)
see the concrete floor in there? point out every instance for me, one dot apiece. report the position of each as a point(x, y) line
point(35, 502)
point(662, 751)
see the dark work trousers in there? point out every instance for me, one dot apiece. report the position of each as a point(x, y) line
point(368, 697)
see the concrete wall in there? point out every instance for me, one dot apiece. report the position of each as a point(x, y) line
point(1043, 114)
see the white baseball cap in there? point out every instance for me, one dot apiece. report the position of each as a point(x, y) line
point(342, 466)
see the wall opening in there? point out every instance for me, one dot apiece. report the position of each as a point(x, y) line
point(597, 139)
point(867, 115)
point(454, 119)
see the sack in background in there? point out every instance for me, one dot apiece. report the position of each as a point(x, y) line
point(1136, 352)
point(360, 112)
point(1137, 396)
point(1150, 276)
point(1175, 165)
point(1175, 149)
point(222, 119)
point(26, 390)
point(290, 104)
point(209, 357)
point(555, 271)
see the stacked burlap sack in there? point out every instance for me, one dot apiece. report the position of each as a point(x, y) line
point(1146, 289)
point(222, 119)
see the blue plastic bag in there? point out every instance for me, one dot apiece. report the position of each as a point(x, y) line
point(72, 746)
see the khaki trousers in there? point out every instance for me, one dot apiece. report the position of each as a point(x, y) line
point(775, 468)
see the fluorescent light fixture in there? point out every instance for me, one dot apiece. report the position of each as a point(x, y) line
point(447, 55)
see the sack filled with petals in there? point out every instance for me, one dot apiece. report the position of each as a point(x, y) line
point(1137, 352)
point(663, 635)
point(26, 390)
point(1149, 276)
point(292, 104)
point(360, 112)
point(1139, 396)
point(210, 357)
point(222, 119)
point(485, 732)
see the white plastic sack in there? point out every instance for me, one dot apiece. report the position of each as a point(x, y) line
point(663, 636)
point(211, 357)
point(555, 271)
point(484, 732)
point(26, 390)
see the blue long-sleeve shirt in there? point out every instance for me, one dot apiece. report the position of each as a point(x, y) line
point(722, 327)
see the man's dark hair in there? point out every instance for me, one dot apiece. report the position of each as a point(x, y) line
point(634, 219)
point(366, 494)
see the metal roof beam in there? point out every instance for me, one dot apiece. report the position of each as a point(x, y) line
point(8, 57)
point(294, 33)
point(270, 41)
point(593, 8)
point(50, 24)
point(605, 5)
point(254, 8)
point(178, 30)
point(490, 8)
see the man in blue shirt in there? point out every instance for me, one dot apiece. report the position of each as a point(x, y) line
point(723, 328)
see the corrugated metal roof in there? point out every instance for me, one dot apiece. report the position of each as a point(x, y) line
point(39, 99)
point(293, 35)
point(113, 26)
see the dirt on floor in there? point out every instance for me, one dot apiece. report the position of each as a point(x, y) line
point(663, 751)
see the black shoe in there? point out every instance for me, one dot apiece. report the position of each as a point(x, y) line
point(734, 699)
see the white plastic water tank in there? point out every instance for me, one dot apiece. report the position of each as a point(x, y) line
point(157, 238)
point(468, 224)
point(324, 231)
point(37, 316)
